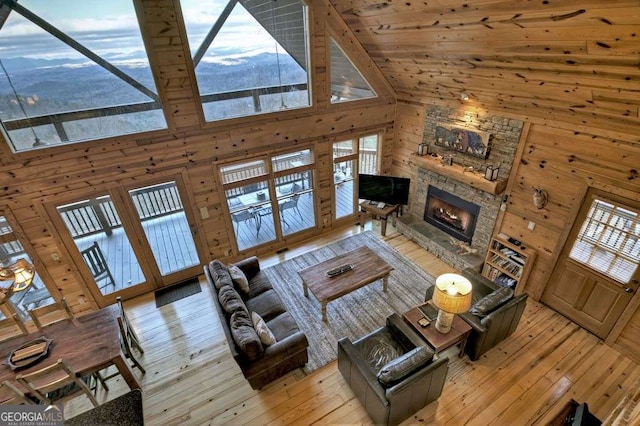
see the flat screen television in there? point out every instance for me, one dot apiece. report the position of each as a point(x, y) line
point(386, 189)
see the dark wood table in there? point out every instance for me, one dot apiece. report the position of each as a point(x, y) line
point(459, 333)
point(88, 343)
point(380, 213)
point(367, 268)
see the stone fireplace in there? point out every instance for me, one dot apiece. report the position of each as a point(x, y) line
point(451, 214)
point(445, 211)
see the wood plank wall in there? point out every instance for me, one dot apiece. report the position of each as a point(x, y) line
point(568, 69)
point(190, 147)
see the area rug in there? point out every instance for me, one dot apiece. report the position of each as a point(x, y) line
point(354, 314)
point(178, 291)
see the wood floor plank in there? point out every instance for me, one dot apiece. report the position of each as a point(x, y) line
point(193, 380)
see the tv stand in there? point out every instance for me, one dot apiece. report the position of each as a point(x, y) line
point(371, 208)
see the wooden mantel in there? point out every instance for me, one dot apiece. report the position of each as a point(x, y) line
point(458, 172)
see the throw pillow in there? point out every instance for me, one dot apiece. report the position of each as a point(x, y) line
point(401, 367)
point(239, 279)
point(491, 301)
point(266, 336)
point(220, 274)
point(245, 335)
point(230, 300)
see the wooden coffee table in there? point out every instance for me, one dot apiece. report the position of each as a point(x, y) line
point(459, 333)
point(367, 268)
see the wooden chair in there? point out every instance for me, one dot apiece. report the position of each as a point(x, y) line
point(49, 314)
point(11, 325)
point(98, 266)
point(11, 395)
point(56, 383)
point(130, 333)
point(126, 346)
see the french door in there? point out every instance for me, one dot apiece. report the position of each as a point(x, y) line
point(130, 240)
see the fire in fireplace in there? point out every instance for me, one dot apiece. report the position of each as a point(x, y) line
point(451, 214)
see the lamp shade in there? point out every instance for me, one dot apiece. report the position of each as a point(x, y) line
point(22, 274)
point(452, 293)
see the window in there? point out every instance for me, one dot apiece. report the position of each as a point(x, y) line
point(70, 74)
point(25, 291)
point(369, 154)
point(250, 57)
point(347, 83)
point(270, 198)
point(609, 241)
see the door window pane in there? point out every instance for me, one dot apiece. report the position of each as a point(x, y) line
point(295, 202)
point(344, 188)
point(342, 149)
point(251, 214)
point(291, 160)
point(368, 153)
point(165, 225)
point(96, 229)
point(609, 241)
point(18, 277)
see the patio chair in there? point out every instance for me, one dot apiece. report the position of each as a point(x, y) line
point(291, 203)
point(97, 264)
point(241, 217)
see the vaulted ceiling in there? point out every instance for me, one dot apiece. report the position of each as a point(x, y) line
point(575, 61)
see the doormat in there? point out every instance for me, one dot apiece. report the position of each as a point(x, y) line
point(177, 291)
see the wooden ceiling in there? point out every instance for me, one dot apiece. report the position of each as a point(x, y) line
point(573, 61)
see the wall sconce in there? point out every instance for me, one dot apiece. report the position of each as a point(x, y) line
point(540, 198)
point(491, 172)
point(464, 96)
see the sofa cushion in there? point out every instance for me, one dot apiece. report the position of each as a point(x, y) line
point(492, 301)
point(245, 335)
point(268, 305)
point(266, 336)
point(259, 284)
point(230, 300)
point(220, 274)
point(239, 279)
point(396, 370)
point(283, 326)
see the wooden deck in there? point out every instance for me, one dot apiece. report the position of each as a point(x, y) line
point(249, 236)
point(170, 240)
point(192, 378)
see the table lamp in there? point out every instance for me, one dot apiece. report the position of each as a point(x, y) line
point(451, 295)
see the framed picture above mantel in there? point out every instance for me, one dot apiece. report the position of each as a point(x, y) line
point(465, 140)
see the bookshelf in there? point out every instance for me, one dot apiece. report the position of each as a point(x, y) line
point(508, 264)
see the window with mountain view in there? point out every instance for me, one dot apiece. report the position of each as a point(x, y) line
point(250, 56)
point(347, 83)
point(73, 71)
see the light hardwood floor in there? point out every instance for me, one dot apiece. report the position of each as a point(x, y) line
point(192, 380)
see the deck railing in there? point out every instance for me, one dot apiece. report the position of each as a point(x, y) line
point(100, 215)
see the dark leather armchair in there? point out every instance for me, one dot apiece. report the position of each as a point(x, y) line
point(497, 325)
point(391, 371)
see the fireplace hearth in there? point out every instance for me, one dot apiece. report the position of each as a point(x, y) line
point(451, 214)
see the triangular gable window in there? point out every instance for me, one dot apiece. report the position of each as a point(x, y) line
point(347, 82)
point(250, 56)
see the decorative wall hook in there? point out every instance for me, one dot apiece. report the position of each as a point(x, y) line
point(540, 197)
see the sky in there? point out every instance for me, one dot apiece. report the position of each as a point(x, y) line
point(110, 28)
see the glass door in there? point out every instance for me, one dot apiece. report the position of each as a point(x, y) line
point(161, 213)
point(96, 229)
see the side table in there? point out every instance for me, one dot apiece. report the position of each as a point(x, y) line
point(459, 333)
point(381, 213)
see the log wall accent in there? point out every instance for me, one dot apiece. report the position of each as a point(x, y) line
point(190, 147)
